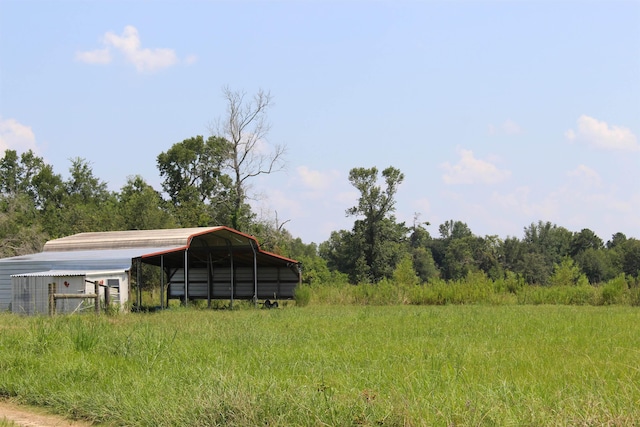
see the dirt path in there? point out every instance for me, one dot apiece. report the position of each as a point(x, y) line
point(26, 416)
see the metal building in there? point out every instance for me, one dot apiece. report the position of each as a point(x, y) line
point(30, 290)
point(197, 263)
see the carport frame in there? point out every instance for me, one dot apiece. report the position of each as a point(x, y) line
point(245, 252)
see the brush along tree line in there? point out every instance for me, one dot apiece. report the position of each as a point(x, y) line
point(206, 182)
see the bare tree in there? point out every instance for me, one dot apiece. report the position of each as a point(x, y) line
point(246, 126)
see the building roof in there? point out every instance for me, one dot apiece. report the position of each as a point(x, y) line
point(173, 237)
point(68, 273)
point(120, 256)
point(152, 245)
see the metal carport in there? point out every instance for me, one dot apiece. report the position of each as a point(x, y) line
point(198, 263)
point(223, 263)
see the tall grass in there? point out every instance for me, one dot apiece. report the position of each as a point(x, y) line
point(476, 288)
point(331, 365)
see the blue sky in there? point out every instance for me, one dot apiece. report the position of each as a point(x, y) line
point(499, 113)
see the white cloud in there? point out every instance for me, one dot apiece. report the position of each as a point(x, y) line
point(509, 127)
point(470, 170)
point(583, 200)
point(280, 201)
point(422, 205)
point(347, 197)
point(312, 200)
point(98, 56)
point(316, 180)
point(586, 176)
point(517, 200)
point(16, 136)
point(599, 134)
point(129, 45)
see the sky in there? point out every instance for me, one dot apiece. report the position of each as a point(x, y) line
point(498, 113)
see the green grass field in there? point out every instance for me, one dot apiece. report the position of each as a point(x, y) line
point(463, 365)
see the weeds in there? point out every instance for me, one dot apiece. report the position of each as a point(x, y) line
point(7, 423)
point(85, 333)
point(477, 288)
point(331, 365)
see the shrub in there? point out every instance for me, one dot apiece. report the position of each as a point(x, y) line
point(475, 288)
point(567, 274)
point(404, 273)
point(381, 293)
point(566, 295)
point(634, 296)
point(615, 291)
point(511, 283)
point(302, 295)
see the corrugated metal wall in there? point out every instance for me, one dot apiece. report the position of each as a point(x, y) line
point(31, 294)
point(273, 283)
point(11, 266)
point(6, 270)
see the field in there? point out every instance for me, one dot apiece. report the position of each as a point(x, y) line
point(469, 365)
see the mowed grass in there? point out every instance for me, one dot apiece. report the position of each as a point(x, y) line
point(332, 365)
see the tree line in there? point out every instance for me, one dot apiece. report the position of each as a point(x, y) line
point(37, 204)
point(207, 182)
point(546, 254)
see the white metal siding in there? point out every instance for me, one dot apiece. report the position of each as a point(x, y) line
point(119, 295)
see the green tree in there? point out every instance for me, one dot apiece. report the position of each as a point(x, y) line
point(25, 183)
point(424, 265)
point(20, 230)
point(11, 172)
point(195, 182)
point(454, 230)
point(534, 268)
point(631, 257)
point(420, 242)
point(343, 252)
point(512, 250)
point(28, 174)
point(382, 239)
point(585, 239)
point(141, 207)
point(616, 240)
point(566, 273)
point(48, 189)
point(550, 240)
point(487, 253)
point(458, 259)
point(419, 237)
point(314, 268)
point(82, 184)
point(84, 205)
point(544, 245)
point(335, 251)
point(596, 264)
